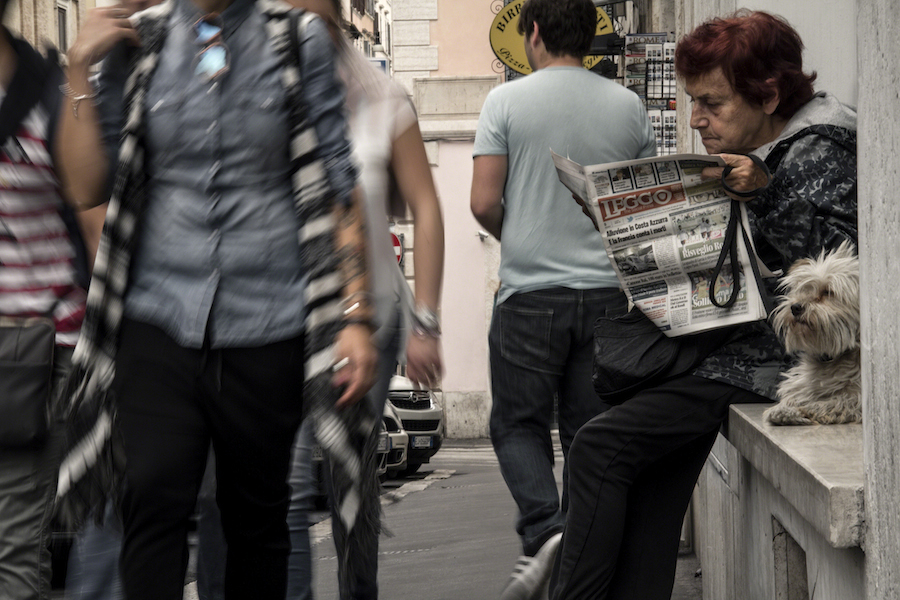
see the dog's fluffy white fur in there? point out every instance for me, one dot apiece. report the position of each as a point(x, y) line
point(818, 320)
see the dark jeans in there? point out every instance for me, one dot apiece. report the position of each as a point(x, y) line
point(172, 402)
point(632, 470)
point(363, 553)
point(93, 571)
point(541, 347)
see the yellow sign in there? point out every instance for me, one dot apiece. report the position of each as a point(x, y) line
point(509, 45)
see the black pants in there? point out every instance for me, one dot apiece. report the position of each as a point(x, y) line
point(172, 402)
point(632, 470)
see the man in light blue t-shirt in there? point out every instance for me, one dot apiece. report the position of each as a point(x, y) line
point(556, 279)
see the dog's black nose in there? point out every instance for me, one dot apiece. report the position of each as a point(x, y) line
point(796, 309)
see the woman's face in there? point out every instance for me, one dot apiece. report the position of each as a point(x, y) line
point(726, 122)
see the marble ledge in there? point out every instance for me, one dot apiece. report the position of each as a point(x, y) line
point(818, 469)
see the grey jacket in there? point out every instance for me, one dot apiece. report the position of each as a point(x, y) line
point(810, 205)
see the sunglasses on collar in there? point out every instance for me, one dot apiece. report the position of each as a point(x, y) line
point(213, 59)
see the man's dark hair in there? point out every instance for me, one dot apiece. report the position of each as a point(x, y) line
point(566, 26)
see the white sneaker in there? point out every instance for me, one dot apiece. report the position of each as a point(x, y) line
point(531, 574)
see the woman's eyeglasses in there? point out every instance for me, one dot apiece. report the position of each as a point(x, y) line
point(212, 59)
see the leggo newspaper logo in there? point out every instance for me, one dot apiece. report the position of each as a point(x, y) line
point(630, 204)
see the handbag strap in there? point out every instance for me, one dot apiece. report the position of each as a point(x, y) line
point(730, 245)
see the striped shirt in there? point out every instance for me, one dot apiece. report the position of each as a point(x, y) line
point(37, 272)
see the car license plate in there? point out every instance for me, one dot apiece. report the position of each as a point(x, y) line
point(317, 453)
point(422, 441)
point(384, 443)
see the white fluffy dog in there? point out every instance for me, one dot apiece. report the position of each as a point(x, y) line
point(818, 319)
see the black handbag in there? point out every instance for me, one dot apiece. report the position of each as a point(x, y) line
point(631, 353)
point(26, 373)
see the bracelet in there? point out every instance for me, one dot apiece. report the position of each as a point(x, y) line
point(353, 308)
point(425, 322)
point(75, 97)
point(350, 305)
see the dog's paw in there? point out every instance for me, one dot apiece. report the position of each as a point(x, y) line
point(833, 416)
point(782, 414)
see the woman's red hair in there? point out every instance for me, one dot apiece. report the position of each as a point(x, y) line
point(750, 48)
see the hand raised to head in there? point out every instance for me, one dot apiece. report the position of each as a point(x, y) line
point(103, 29)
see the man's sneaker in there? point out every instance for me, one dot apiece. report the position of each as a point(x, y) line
point(532, 573)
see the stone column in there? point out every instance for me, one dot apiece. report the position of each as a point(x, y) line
point(878, 32)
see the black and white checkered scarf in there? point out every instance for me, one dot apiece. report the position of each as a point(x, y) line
point(92, 466)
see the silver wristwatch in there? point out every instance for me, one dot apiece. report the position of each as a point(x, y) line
point(425, 322)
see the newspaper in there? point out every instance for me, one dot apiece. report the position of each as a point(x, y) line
point(663, 229)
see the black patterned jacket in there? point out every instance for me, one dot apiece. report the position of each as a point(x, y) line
point(810, 205)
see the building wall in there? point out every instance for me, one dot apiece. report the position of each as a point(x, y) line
point(414, 55)
point(470, 270)
point(879, 222)
point(441, 54)
point(461, 35)
point(37, 21)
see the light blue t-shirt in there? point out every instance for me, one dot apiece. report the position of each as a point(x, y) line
point(546, 240)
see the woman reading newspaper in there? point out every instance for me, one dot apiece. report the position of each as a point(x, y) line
point(632, 469)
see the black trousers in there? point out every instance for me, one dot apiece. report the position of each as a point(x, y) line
point(172, 402)
point(632, 470)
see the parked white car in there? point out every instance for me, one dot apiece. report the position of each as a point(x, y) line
point(421, 417)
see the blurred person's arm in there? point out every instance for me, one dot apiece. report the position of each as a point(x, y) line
point(354, 340)
point(488, 183)
point(412, 172)
point(82, 159)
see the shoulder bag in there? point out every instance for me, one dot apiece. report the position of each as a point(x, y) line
point(631, 353)
point(26, 372)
